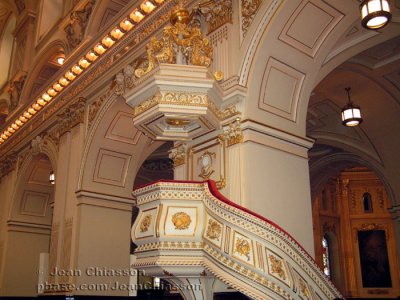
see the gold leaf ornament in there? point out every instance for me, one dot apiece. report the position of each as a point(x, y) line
point(181, 220)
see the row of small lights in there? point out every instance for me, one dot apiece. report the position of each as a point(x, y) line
point(106, 43)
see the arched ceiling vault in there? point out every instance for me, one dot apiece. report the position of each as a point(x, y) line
point(374, 78)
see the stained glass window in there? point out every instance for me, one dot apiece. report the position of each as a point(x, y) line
point(325, 257)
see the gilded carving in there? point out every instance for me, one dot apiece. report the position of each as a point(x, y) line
point(214, 230)
point(206, 164)
point(216, 13)
point(224, 114)
point(249, 10)
point(72, 115)
point(8, 164)
point(304, 289)
point(182, 42)
point(75, 30)
point(124, 79)
point(177, 98)
point(14, 90)
point(277, 267)
point(145, 224)
point(242, 247)
point(178, 155)
point(146, 105)
point(233, 133)
point(181, 220)
point(37, 145)
point(94, 108)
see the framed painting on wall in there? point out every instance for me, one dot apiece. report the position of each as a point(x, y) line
point(374, 259)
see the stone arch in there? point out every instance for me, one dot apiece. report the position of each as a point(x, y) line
point(328, 166)
point(29, 224)
point(45, 66)
point(111, 131)
point(112, 152)
point(291, 67)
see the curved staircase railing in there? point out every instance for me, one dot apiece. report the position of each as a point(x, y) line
point(189, 233)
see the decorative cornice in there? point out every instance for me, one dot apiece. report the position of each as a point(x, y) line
point(130, 40)
point(72, 115)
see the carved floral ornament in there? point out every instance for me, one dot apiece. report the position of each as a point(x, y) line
point(277, 267)
point(214, 230)
point(145, 224)
point(242, 247)
point(181, 220)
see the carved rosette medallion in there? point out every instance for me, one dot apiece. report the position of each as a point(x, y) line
point(242, 247)
point(181, 220)
point(145, 224)
point(214, 230)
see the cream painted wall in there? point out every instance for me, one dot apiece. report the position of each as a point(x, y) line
point(22, 262)
point(104, 242)
point(276, 186)
point(6, 46)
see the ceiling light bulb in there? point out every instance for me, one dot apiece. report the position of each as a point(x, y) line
point(60, 60)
